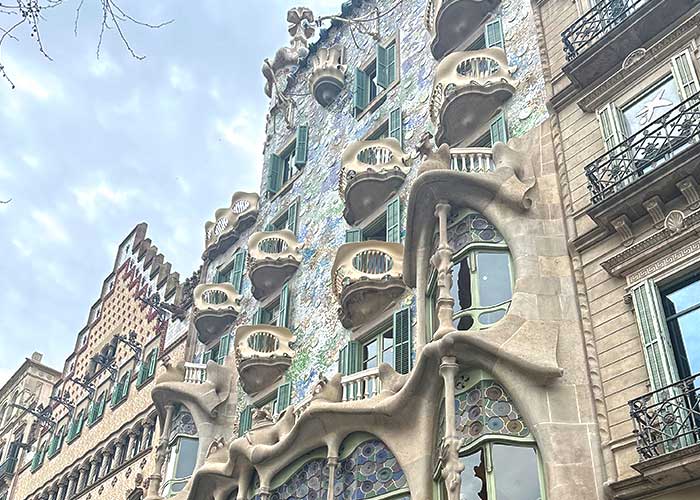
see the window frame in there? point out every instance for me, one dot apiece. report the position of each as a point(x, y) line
point(373, 104)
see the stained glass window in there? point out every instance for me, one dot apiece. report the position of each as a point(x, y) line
point(308, 483)
point(371, 470)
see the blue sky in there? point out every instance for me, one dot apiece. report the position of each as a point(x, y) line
point(89, 148)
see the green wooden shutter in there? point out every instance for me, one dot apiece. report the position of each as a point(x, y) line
point(284, 396)
point(245, 420)
point(238, 268)
point(101, 406)
point(612, 126)
point(302, 146)
point(393, 221)
point(402, 340)
point(391, 62)
point(116, 391)
point(152, 362)
point(283, 319)
point(223, 349)
point(361, 97)
point(655, 339)
point(126, 384)
point(354, 357)
point(494, 34)
point(257, 317)
point(396, 125)
point(382, 66)
point(217, 276)
point(206, 356)
point(498, 129)
point(273, 174)
point(292, 217)
point(343, 360)
point(353, 235)
point(684, 74)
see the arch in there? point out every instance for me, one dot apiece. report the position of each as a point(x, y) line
point(305, 478)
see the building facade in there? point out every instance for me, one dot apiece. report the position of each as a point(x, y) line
point(622, 79)
point(95, 437)
point(28, 389)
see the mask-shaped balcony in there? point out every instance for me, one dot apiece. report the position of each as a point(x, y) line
point(450, 22)
point(469, 87)
point(367, 279)
point(263, 355)
point(371, 173)
point(216, 307)
point(328, 74)
point(273, 256)
point(229, 223)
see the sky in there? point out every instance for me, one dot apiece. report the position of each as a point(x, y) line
point(91, 147)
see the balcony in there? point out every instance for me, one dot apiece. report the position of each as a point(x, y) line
point(229, 223)
point(361, 385)
point(371, 173)
point(667, 429)
point(603, 37)
point(468, 88)
point(328, 74)
point(263, 355)
point(472, 160)
point(450, 22)
point(216, 307)
point(367, 279)
point(649, 163)
point(273, 257)
point(195, 373)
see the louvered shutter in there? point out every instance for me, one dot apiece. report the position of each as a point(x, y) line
point(292, 217)
point(283, 319)
point(391, 63)
point(223, 349)
point(284, 396)
point(396, 125)
point(382, 67)
point(101, 407)
point(498, 129)
point(126, 384)
point(658, 352)
point(245, 420)
point(153, 362)
point(402, 340)
point(116, 391)
point(343, 360)
point(361, 97)
point(684, 74)
point(238, 268)
point(612, 126)
point(494, 34)
point(393, 221)
point(217, 276)
point(206, 356)
point(353, 235)
point(302, 146)
point(354, 356)
point(273, 174)
point(257, 317)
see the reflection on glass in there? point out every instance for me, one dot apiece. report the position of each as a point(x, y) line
point(369, 354)
point(493, 278)
point(474, 477)
point(491, 317)
point(516, 471)
point(187, 457)
point(388, 347)
point(681, 305)
point(461, 285)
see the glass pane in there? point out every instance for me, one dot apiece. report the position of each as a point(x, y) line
point(369, 354)
point(689, 326)
point(186, 457)
point(474, 477)
point(464, 323)
point(493, 271)
point(517, 473)
point(461, 285)
point(682, 299)
point(490, 318)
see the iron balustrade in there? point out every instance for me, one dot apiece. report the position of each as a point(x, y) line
point(645, 150)
point(667, 419)
point(595, 24)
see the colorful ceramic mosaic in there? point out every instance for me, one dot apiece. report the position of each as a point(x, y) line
point(308, 483)
point(485, 408)
point(371, 470)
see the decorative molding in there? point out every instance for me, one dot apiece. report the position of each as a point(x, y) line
point(689, 188)
point(674, 222)
point(623, 227)
point(634, 57)
point(657, 209)
point(665, 263)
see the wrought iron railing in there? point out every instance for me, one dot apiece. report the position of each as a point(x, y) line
point(595, 24)
point(667, 419)
point(645, 150)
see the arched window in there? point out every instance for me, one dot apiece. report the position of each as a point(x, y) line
point(482, 277)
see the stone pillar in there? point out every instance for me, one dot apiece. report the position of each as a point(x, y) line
point(449, 449)
point(106, 463)
point(94, 471)
point(72, 483)
point(84, 472)
point(442, 261)
point(53, 495)
point(62, 489)
point(332, 464)
point(156, 477)
point(118, 453)
point(131, 444)
point(146, 436)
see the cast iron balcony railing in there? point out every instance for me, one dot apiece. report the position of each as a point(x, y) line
point(667, 419)
point(644, 151)
point(595, 24)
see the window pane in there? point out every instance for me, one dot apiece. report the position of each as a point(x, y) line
point(517, 473)
point(682, 299)
point(461, 285)
point(474, 477)
point(688, 325)
point(369, 354)
point(186, 457)
point(493, 271)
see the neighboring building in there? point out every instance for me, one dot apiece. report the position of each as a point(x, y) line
point(388, 319)
point(28, 389)
point(97, 440)
point(622, 81)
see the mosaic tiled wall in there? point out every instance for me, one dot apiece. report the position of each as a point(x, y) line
point(320, 224)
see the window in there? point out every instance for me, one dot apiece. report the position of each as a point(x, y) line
point(282, 166)
point(75, 427)
point(181, 463)
point(503, 471)
point(121, 389)
point(275, 404)
point(219, 351)
point(233, 273)
point(147, 369)
point(276, 312)
point(286, 220)
point(681, 303)
point(386, 227)
point(375, 77)
point(56, 442)
point(97, 409)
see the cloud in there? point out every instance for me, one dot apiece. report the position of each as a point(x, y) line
point(51, 228)
point(40, 86)
point(180, 78)
point(31, 160)
point(244, 132)
point(21, 247)
point(95, 198)
point(104, 66)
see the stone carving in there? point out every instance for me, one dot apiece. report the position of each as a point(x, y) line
point(216, 445)
point(328, 74)
point(624, 228)
point(634, 57)
point(689, 188)
point(655, 207)
point(675, 221)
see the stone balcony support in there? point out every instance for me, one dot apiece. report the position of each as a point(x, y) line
point(273, 257)
point(450, 22)
point(263, 355)
point(327, 75)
